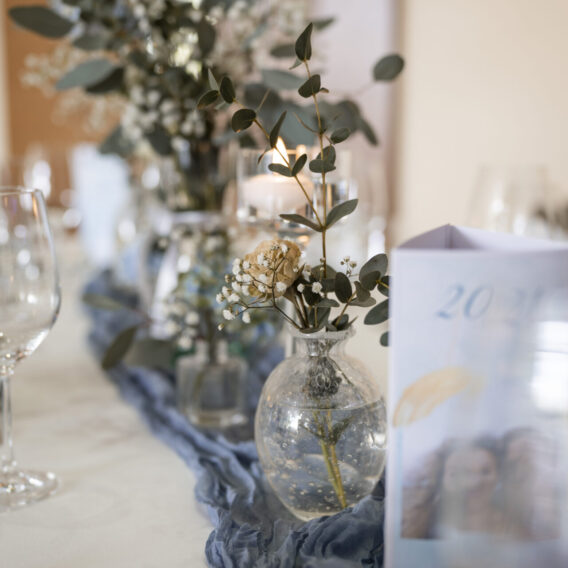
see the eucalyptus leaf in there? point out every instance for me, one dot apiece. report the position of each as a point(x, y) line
point(280, 169)
point(311, 299)
point(340, 211)
point(280, 80)
point(329, 155)
point(383, 286)
point(385, 339)
point(207, 99)
point(102, 302)
point(311, 87)
point(328, 303)
point(303, 45)
point(243, 119)
point(91, 41)
point(378, 263)
point(296, 64)
point(299, 220)
point(378, 314)
point(41, 20)
point(340, 135)
point(322, 314)
point(205, 36)
point(212, 81)
point(343, 288)
point(159, 139)
point(119, 347)
point(328, 283)
point(114, 82)
point(227, 90)
point(323, 23)
point(86, 74)
point(275, 132)
point(370, 279)
point(367, 131)
point(257, 93)
point(318, 270)
point(341, 322)
point(116, 143)
point(362, 293)
point(152, 353)
point(258, 32)
point(388, 68)
point(364, 303)
point(321, 166)
point(299, 165)
point(283, 50)
point(138, 59)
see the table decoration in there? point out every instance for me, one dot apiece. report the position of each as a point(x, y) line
point(30, 298)
point(251, 527)
point(316, 407)
point(152, 63)
point(478, 406)
point(181, 332)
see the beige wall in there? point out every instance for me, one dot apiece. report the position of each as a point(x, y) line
point(485, 81)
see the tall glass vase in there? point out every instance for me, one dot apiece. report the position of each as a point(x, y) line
point(320, 427)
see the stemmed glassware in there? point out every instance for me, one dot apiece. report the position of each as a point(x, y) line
point(29, 304)
point(513, 199)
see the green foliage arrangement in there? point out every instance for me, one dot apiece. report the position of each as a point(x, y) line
point(275, 269)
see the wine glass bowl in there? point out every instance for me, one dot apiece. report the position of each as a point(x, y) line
point(514, 199)
point(29, 304)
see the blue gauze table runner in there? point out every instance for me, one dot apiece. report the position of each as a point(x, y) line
point(252, 528)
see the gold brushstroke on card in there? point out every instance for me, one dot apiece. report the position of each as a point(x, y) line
point(424, 395)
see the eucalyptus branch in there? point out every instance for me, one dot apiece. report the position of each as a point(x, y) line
point(347, 304)
point(324, 187)
point(288, 165)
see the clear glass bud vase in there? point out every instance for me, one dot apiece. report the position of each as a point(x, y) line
point(320, 427)
point(211, 386)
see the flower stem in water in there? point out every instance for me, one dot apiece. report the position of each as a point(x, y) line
point(330, 458)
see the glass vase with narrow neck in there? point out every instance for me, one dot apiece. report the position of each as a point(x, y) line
point(320, 427)
point(211, 386)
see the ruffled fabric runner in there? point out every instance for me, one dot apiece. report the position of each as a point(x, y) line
point(252, 528)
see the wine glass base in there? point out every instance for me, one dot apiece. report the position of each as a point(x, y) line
point(20, 488)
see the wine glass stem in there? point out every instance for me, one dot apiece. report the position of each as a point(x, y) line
point(7, 462)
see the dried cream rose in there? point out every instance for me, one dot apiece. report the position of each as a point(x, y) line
point(271, 265)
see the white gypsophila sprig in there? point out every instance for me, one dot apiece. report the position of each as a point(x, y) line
point(348, 264)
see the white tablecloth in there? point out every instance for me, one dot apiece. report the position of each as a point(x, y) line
point(126, 500)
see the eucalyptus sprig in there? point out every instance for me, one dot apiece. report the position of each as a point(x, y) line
point(274, 269)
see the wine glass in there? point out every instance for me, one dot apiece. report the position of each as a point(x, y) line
point(29, 303)
point(513, 199)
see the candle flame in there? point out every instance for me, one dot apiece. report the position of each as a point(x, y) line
point(280, 151)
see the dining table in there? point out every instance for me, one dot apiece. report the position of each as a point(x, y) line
point(124, 498)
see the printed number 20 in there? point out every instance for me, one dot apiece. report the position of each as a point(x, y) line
point(475, 304)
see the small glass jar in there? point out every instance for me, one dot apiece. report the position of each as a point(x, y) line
point(320, 427)
point(211, 386)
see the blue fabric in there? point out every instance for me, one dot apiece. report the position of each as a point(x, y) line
point(252, 528)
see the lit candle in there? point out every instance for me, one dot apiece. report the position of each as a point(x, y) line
point(273, 193)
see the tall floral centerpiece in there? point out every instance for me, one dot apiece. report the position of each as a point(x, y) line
point(155, 57)
point(320, 425)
